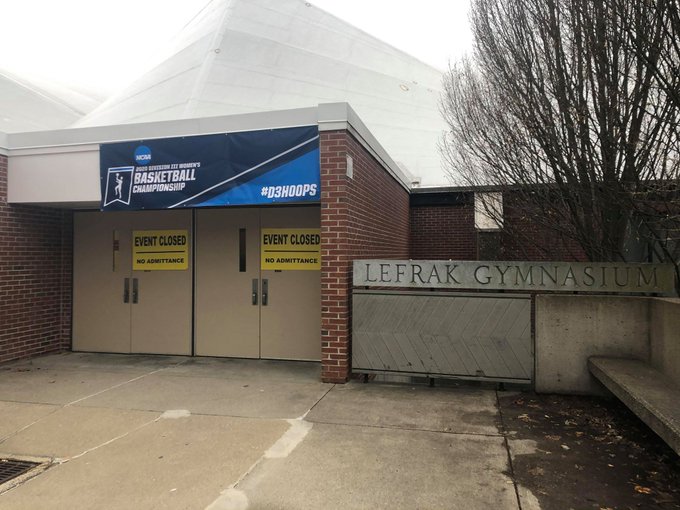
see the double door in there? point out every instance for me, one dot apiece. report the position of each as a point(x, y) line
point(117, 308)
point(242, 310)
point(236, 308)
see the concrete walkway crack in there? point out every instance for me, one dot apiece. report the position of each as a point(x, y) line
point(504, 433)
point(409, 429)
point(74, 402)
point(317, 402)
point(234, 499)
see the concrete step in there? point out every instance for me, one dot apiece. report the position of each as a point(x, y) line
point(650, 394)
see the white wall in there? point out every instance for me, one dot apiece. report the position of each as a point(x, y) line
point(55, 176)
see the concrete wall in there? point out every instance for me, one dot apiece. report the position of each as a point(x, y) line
point(664, 336)
point(569, 329)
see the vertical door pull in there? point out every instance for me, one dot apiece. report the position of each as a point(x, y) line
point(265, 291)
point(126, 290)
point(135, 290)
point(242, 251)
point(255, 282)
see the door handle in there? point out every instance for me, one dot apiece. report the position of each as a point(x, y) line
point(254, 295)
point(135, 290)
point(265, 291)
point(126, 290)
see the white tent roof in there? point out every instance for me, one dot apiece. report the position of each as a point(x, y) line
point(239, 56)
point(30, 105)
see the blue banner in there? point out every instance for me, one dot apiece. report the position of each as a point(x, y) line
point(248, 168)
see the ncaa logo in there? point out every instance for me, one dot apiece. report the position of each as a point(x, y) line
point(142, 155)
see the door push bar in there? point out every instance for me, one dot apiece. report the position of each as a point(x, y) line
point(126, 290)
point(265, 291)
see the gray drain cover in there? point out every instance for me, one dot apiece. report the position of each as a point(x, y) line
point(10, 468)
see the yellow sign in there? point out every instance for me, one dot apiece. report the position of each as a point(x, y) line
point(160, 250)
point(290, 249)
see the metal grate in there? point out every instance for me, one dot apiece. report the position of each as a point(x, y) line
point(10, 468)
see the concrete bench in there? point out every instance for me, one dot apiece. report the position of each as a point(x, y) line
point(647, 392)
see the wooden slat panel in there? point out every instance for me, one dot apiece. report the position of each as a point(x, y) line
point(443, 334)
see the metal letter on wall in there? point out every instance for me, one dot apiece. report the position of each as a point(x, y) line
point(588, 277)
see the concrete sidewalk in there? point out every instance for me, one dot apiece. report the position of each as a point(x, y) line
point(122, 431)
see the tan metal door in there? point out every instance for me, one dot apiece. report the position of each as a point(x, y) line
point(227, 298)
point(101, 271)
point(161, 315)
point(290, 324)
point(116, 309)
point(233, 316)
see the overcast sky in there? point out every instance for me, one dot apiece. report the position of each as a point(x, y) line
point(104, 45)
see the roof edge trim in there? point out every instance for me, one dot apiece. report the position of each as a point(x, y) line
point(163, 129)
point(328, 117)
point(338, 116)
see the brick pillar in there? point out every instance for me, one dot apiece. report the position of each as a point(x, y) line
point(335, 260)
point(362, 217)
point(35, 277)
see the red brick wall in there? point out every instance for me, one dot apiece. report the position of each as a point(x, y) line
point(529, 240)
point(35, 277)
point(443, 232)
point(363, 217)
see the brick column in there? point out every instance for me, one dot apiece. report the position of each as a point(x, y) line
point(362, 217)
point(35, 277)
point(335, 260)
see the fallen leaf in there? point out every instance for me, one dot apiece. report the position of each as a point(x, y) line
point(552, 437)
point(643, 490)
point(565, 447)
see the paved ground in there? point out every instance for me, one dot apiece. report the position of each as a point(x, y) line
point(172, 432)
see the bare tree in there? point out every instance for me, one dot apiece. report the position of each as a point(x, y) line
point(571, 108)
